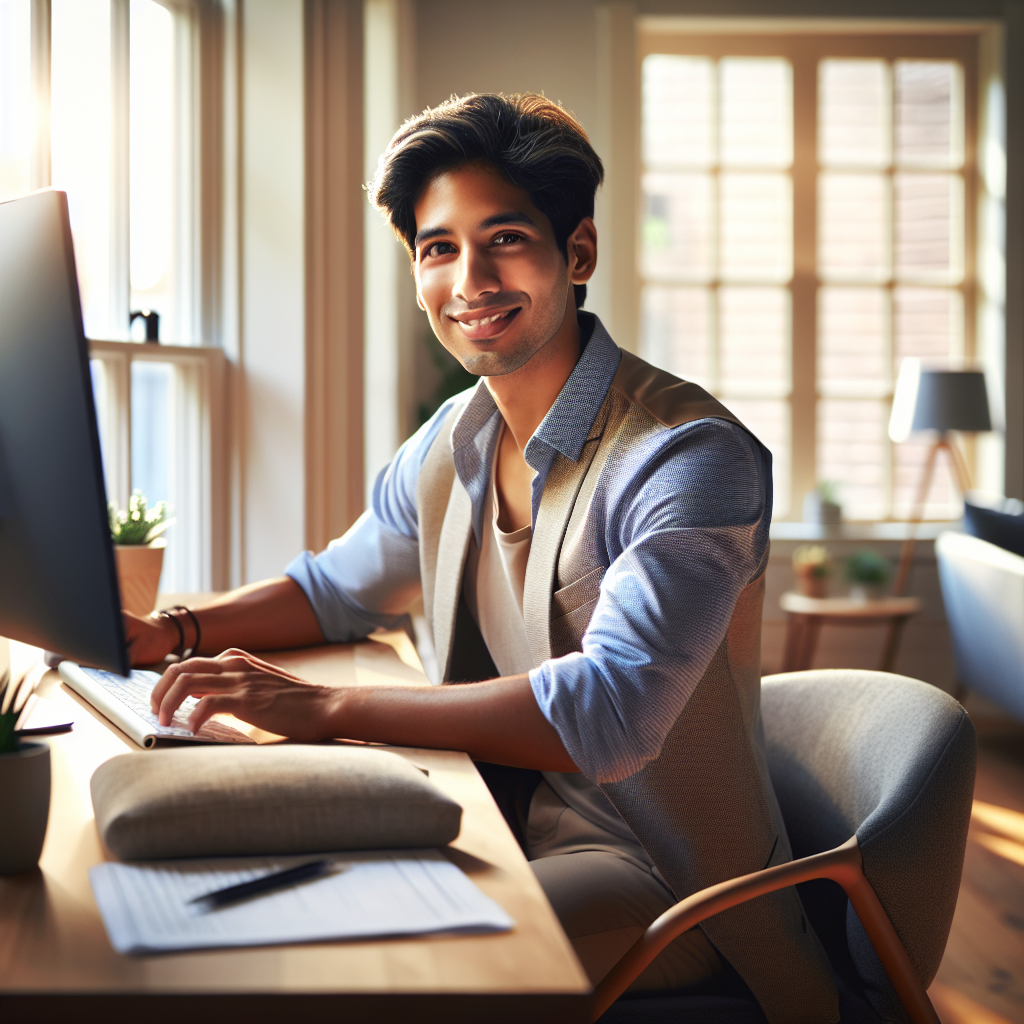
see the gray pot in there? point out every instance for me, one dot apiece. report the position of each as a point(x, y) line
point(24, 806)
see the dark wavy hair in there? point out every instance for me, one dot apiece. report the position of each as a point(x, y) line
point(536, 144)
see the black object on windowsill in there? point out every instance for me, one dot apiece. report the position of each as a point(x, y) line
point(152, 323)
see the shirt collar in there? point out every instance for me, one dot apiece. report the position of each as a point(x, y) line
point(564, 430)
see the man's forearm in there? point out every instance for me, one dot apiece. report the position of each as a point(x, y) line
point(497, 721)
point(268, 616)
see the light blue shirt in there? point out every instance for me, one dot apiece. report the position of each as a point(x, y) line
point(680, 518)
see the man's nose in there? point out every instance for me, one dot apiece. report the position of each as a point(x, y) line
point(477, 275)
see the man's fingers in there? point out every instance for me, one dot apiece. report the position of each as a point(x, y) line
point(210, 705)
point(213, 666)
point(193, 684)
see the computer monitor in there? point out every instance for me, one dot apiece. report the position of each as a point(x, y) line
point(58, 581)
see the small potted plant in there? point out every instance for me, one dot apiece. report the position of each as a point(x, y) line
point(24, 782)
point(822, 506)
point(139, 548)
point(867, 573)
point(812, 568)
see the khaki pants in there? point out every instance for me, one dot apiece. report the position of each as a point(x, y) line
point(605, 902)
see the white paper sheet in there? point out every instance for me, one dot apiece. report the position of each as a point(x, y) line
point(146, 908)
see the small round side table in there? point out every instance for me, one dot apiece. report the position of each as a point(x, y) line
point(806, 615)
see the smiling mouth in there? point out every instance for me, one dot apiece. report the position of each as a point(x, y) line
point(484, 321)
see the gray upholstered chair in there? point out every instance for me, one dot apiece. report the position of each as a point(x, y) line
point(875, 775)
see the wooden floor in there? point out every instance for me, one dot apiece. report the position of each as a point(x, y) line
point(981, 980)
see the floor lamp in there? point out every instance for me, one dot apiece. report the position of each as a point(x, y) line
point(942, 401)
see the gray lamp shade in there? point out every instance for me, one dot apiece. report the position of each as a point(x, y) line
point(938, 400)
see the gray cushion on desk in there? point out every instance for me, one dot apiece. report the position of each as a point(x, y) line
point(233, 801)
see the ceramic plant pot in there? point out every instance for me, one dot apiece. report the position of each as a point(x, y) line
point(811, 585)
point(24, 806)
point(138, 572)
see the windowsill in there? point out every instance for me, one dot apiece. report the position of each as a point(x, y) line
point(890, 531)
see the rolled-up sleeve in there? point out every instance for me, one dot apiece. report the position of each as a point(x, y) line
point(369, 577)
point(685, 535)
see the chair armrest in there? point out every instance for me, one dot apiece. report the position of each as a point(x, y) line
point(842, 865)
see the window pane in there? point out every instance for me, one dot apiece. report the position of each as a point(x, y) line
point(756, 216)
point(853, 329)
point(15, 97)
point(675, 331)
point(756, 112)
point(927, 229)
point(152, 385)
point(80, 144)
point(853, 227)
point(928, 323)
point(677, 231)
point(152, 163)
point(753, 340)
point(929, 105)
point(678, 111)
point(853, 113)
point(769, 420)
point(151, 429)
point(852, 450)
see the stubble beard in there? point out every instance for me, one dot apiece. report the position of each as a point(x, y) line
point(496, 363)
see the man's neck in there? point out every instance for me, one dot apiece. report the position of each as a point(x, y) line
point(524, 396)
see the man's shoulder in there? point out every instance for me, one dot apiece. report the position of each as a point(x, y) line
point(667, 399)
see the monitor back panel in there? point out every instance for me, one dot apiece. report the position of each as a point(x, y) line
point(58, 583)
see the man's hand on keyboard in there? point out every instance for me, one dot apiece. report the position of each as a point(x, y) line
point(242, 685)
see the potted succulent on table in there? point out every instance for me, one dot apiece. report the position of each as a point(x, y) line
point(139, 548)
point(867, 573)
point(812, 567)
point(24, 782)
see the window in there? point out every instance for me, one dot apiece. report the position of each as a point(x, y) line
point(806, 224)
point(105, 113)
point(118, 151)
point(717, 249)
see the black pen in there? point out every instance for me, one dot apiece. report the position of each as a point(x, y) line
point(266, 883)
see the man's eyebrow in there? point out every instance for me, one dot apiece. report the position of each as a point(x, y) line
point(509, 217)
point(422, 236)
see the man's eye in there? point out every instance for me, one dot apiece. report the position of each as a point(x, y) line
point(439, 249)
point(507, 238)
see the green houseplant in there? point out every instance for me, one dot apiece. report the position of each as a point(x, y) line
point(24, 782)
point(867, 573)
point(137, 533)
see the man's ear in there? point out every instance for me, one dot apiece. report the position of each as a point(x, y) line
point(419, 301)
point(581, 251)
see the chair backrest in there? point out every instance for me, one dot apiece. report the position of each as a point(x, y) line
point(983, 590)
point(891, 759)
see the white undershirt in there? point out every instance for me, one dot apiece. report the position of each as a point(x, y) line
point(570, 813)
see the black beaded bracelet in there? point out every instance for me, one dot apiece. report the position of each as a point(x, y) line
point(169, 614)
point(181, 652)
point(199, 633)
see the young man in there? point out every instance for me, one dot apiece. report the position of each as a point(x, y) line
point(589, 535)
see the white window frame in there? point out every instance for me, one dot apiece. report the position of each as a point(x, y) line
point(197, 495)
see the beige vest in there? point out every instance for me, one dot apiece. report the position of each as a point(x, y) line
point(704, 809)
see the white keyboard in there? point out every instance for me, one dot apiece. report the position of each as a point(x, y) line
point(133, 691)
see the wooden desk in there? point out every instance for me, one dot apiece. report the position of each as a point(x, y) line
point(806, 615)
point(56, 962)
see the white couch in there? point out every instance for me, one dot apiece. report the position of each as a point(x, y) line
point(983, 589)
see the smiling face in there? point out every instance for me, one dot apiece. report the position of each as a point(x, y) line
point(489, 273)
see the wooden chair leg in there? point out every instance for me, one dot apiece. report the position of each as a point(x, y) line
point(892, 643)
point(812, 629)
point(791, 651)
